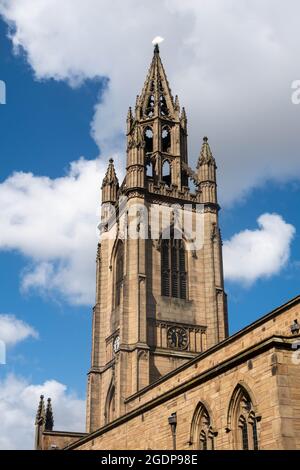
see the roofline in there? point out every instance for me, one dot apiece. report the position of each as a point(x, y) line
point(283, 342)
point(65, 433)
point(218, 346)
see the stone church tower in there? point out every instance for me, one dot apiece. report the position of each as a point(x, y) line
point(160, 299)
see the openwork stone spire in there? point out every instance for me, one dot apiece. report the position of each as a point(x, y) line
point(49, 420)
point(40, 414)
point(156, 98)
point(156, 135)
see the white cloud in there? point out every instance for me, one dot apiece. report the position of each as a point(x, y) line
point(18, 405)
point(261, 253)
point(232, 64)
point(53, 223)
point(13, 330)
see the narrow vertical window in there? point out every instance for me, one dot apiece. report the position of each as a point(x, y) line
point(203, 441)
point(163, 106)
point(148, 137)
point(150, 107)
point(174, 262)
point(173, 269)
point(166, 139)
point(244, 431)
point(166, 173)
point(182, 271)
point(254, 433)
point(119, 272)
point(165, 268)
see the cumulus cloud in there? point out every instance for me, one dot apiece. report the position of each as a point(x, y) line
point(234, 79)
point(261, 253)
point(13, 330)
point(232, 64)
point(53, 223)
point(18, 405)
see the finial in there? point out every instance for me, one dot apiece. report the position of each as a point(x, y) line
point(205, 139)
point(111, 160)
point(129, 114)
point(137, 104)
point(156, 49)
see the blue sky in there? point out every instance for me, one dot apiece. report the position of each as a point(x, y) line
point(47, 123)
point(44, 126)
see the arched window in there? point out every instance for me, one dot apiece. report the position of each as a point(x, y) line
point(202, 434)
point(173, 268)
point(148, 136)
point(166, 173)
point(243, 420)
point(165, 139)
point(119, 274)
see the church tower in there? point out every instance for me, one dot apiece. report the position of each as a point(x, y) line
point(160, 296)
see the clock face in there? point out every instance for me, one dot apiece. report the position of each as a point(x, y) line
point(177, 337)
point(116, 344)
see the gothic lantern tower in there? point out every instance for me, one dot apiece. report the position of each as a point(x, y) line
point(159, 299)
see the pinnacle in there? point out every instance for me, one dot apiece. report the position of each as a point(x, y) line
point(110, 176)
point(40, 414)
point(49, 421)
point(206, 155)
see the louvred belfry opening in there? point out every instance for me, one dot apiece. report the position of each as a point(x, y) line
point(173, 268)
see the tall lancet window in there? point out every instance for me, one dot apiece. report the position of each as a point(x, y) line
point(173, 268)
point(243, 420)
point(119, 274)
point(202, 435)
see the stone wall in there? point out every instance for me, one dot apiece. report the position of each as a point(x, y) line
point(260, 359)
